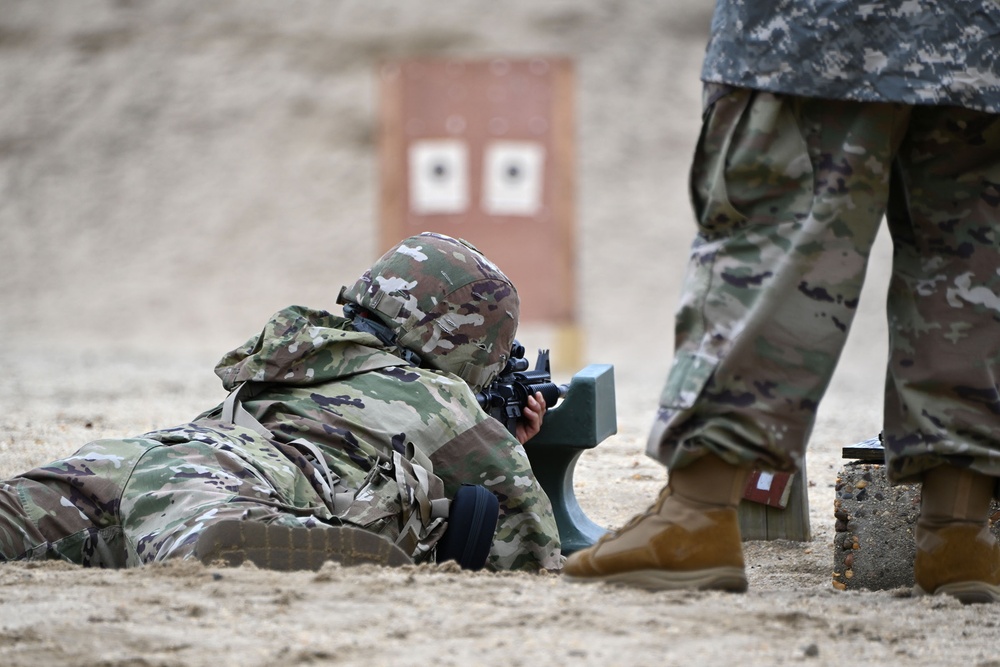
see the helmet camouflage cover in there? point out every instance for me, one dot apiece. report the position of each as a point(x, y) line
point(446, 302)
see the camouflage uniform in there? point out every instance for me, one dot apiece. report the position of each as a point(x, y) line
point(940, 52)
point(327, 410)
point(820, 117)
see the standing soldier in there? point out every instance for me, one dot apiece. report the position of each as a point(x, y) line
point(821, 116)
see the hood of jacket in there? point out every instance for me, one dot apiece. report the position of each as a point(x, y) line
point(301, 346)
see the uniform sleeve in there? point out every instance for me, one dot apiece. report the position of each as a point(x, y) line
point(527, 537)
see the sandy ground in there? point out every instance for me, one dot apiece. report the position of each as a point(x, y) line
point(171, 173)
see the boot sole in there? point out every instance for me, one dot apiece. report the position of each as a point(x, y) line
point(967, 592)
point(276, 547)
point(730, 579)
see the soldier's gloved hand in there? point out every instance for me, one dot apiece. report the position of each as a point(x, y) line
point(531, 418)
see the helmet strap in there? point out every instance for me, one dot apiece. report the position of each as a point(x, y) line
point(364, 321)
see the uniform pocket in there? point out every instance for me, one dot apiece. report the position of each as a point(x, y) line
point(687, 379)
point(707, 180)
point(752, 165)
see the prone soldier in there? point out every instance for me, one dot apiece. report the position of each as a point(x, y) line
point(350, 438)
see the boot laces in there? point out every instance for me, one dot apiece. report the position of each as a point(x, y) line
point(652, 510)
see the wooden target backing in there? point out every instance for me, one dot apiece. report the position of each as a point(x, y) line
point(484, 150)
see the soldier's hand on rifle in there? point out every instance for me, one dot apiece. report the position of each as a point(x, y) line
point(531, 418)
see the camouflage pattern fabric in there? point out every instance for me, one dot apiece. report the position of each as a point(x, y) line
point(379, 426)
point(940, 52)
point(789, 193)
point(446, 302)
point(119, 503)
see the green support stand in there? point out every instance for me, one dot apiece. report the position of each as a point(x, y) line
point(585, 417)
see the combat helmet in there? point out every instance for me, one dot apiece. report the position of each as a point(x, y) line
point(443, 301)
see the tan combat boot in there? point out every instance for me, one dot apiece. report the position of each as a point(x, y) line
point(688, 539)
point(956, 552)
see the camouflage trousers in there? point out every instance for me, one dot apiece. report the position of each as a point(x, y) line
point(789, 193)
point(122, 503)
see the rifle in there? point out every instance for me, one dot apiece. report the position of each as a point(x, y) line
point(579, 416)
point(504, 399)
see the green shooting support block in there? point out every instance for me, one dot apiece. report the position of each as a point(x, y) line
point(584, 418)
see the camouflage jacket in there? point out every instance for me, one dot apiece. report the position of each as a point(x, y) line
point(342, 390)
point(916, 52)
